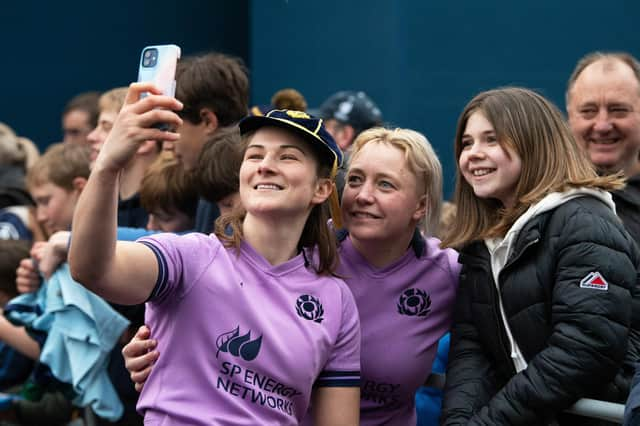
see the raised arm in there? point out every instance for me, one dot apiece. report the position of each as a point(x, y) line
point(121, 272)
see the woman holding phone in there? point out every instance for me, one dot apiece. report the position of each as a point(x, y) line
point(252, 331)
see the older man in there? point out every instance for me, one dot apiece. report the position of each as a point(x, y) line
point(603, 104)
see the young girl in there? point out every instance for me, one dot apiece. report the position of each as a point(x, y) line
point(250, 332)
point(404, 285)
point(549, 275)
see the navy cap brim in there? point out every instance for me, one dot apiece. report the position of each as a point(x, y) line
point(252, 123)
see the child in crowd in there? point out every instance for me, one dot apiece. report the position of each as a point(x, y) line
point(549, 274)
point(169, 195)
point(230, 298)
point(56, 181)
point(217, 173)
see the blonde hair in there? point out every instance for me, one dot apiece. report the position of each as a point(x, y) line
point(60, 164)
point(11, 150)
point(31, 151)
point(535, 130)
point(421, 160)
point(112, 100)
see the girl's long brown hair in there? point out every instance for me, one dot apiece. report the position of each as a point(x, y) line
point(551, 162)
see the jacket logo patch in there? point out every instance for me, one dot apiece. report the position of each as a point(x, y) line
point(594, 280)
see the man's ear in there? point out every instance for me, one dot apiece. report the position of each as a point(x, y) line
point(344, 137)
point(79, 183)
point(210, 120)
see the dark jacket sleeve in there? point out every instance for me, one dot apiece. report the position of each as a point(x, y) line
point(470, 376)
point(590, 326)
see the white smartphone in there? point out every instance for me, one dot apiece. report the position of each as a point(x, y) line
point(158, 66)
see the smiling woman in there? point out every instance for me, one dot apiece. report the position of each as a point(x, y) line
point(249, 302)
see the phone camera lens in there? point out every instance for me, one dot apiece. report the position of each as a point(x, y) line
point(150, 58)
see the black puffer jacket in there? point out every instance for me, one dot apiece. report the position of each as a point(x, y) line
point(628, 206)
point(576, 341)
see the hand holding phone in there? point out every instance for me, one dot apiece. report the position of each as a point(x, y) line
point(158, 66)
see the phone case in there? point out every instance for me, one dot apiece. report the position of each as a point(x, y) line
point(158, 65)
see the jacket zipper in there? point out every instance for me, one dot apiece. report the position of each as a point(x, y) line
point(496, 312)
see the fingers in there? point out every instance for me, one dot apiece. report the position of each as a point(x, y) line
point(27, 278)
point(143, 332)
point(137, 89)
point(155, 101)
point(139, 356)
point(139, 378)
point(155, 116)
point(140, 366)
point(140, 346)
point(151, 134)
point(37, 248)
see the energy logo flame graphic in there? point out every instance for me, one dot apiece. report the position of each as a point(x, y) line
point(241, 346)
point(309, 308)
point(414, 302)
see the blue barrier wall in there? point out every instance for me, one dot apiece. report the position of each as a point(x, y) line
point(53, 50)
point(421, 61)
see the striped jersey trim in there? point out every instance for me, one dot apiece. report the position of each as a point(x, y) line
point(338, 379)
point(163, 274)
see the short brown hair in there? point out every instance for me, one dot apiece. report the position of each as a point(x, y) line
point(552, 161)
point(214, 81)
point(60, 165)
point(87, 102)
point(594, 57)
point(167, 187)
point(11, 253)
point(217, 174)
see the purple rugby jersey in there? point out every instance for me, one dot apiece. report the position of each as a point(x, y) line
point(405, 308)
point(242, 342)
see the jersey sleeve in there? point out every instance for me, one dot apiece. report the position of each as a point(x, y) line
point(181, 261)
point(343, 364)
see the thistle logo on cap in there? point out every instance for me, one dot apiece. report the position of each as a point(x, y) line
point(298, 114)
point(310, 128)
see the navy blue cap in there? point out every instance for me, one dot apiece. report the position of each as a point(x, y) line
point(308, 127)
point(353, 108)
